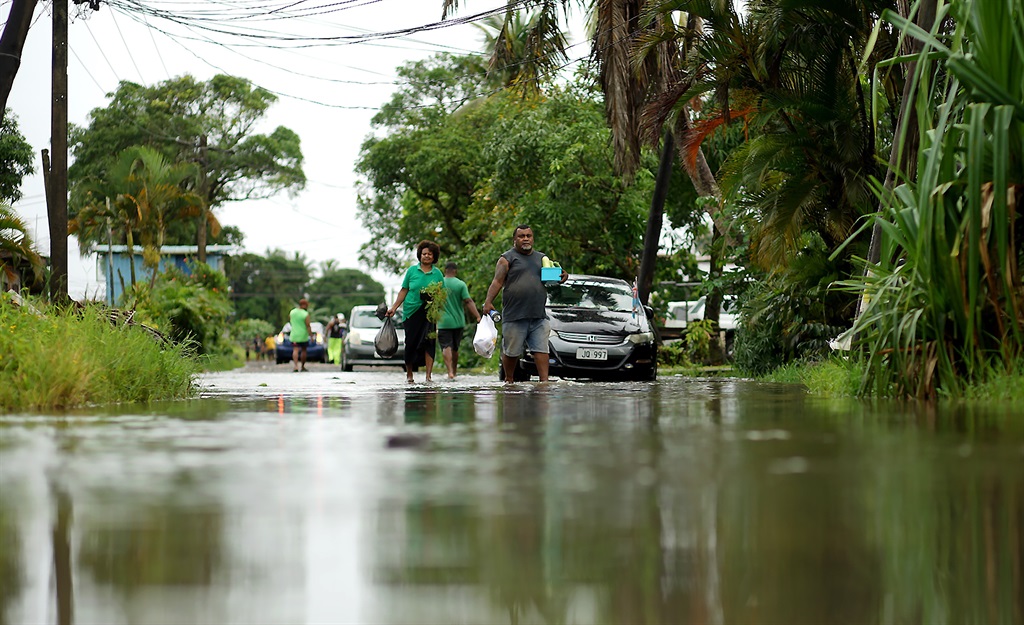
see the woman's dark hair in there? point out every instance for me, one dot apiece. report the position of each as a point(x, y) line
point(428, 245)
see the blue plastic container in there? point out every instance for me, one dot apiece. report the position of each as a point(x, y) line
point(550, 274)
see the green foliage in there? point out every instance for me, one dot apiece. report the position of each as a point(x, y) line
point(267, 287)
point(338, 290)
point(436, 296)
point(697, 339)
point(18, 249)
point(189, 308)
point(170, 117)
point(794, 313)
point(463, 174)
point(674, 354)
point(832, 377)
point(943, 307)
point(244, 331)
point(16, 157)
point(56, 360)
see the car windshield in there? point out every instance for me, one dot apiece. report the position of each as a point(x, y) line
point(582, 294)
point(368, 319)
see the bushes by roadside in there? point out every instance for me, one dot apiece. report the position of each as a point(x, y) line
point(55, 360)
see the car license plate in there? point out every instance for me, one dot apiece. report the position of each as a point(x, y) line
point(591, 353)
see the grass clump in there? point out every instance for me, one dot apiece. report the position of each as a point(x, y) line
point(52, 359)
point(832, 377)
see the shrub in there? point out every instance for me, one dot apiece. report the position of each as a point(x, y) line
point(188, 307)
point(52, 359)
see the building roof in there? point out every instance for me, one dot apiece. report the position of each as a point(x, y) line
point(168, 250)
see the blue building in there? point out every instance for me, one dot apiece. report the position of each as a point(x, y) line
point(114, 264)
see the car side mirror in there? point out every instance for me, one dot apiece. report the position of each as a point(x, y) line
point(649, 312)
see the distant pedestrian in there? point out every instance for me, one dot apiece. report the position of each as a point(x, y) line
point(419, 346)
point(300, 333)
point(524, 323)
point(453, 322)
point(270, 348)
point(335, 330)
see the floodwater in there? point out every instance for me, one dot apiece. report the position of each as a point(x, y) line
point(334, 497)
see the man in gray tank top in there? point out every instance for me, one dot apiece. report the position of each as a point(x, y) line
point(523, 321)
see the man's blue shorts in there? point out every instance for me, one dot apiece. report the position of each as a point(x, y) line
point(533, 333)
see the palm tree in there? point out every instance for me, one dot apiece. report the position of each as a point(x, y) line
point(104, 208)
point(524, 48)
point(142, 192)
point(791, 74)
point(16, 245)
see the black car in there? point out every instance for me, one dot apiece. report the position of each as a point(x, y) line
point(597, 332)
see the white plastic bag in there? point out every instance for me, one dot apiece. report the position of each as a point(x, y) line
point(486, 337)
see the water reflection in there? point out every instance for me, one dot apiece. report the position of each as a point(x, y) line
point(710, 501)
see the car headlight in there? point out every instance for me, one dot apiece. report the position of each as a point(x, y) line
point(352, 338)
point(641, 337)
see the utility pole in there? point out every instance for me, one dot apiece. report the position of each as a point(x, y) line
point(201, 230)
point(57, 188)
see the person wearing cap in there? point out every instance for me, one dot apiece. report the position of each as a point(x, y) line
point(335, 331)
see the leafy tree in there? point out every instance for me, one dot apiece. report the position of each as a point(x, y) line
point(17, 247)
point(338, 290)
point(15, 159)
point(172, 117)
point(465, 176)
point(267, 287)
point(423, 172)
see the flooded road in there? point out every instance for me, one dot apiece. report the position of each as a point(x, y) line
point(332, 497)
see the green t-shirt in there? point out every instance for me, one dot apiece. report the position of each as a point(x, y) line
point(415, 280)
point(297, 317)
point(454, 311)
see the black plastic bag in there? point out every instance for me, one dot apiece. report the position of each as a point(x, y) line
point(386, 341)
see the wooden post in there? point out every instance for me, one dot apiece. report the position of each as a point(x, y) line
point(57, 193)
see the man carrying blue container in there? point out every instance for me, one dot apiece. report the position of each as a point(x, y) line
point(524, 323)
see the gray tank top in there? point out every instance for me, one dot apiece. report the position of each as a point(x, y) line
point(524, 296)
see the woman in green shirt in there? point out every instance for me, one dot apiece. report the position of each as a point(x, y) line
point(419, 346)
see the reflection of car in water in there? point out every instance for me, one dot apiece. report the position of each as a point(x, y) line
point(316, 352)
point(595, 333)
point(363, 326)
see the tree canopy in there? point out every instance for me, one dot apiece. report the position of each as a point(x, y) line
point(465, 172)
point(15, 159)
point(172, 117)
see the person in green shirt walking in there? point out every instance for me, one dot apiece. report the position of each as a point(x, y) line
point(419, 345)
point(453, 322)
point(300, 333)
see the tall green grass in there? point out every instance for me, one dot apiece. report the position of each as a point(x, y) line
point(56, 360)
point(945, 305)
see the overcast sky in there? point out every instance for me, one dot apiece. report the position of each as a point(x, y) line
point(327, 94)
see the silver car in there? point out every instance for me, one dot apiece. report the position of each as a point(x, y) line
point(363, 326)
